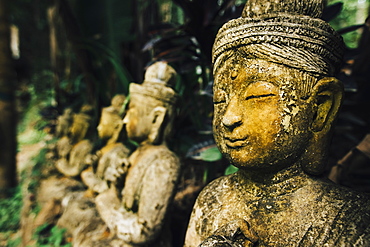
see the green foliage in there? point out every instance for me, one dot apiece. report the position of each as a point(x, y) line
point(211, 154)
point(10, 211)
point(353, 12)
point(231, 169)
point(36, 172)
point(30, 128)
point(50, 236)
point(14, 242)
point(104, 54)
point(73, 86)
point(31, 137)
point(42, 88)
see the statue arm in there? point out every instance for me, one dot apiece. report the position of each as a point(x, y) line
point(211, 225)
point(198, 229)
point(159, 185)
point(157, 189)
point(118, 219)
point(192, 237)
point(141, 223)
point(114, 164)
point(236, 233)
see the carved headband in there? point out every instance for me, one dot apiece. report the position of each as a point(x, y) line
point(154, 90)
point(297, 41)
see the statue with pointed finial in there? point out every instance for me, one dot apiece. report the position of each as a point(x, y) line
point(275, 101)
point(139, 218)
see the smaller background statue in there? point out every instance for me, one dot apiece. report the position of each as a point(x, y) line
point(74, 149)
point(108, 166)
point(139, 217)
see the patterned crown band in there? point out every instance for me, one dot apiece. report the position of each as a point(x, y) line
point(300, 42)
point(154, 90)
point(110, 113)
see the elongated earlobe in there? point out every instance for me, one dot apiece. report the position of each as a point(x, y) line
point(326, 97)
point(158, 116)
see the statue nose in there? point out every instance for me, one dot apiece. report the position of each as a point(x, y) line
point(231, 122)
point(232, 117)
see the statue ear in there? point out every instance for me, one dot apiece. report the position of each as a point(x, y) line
point(158, 116)
point(326, 98)
point(327, 94)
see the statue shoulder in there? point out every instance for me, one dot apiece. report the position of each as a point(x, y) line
point(344, 211)
point(340, 193)
point(165, 152)
point(116, 148)
point(217, 190)
point(162, 156)
point(207, 208)
point(153, 159)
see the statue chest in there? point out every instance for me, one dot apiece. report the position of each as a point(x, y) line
point(304, 216)
point(276, 220)
point(134, 183)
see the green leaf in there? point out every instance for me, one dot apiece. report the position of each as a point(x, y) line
point(211, 154)
point(231, 169)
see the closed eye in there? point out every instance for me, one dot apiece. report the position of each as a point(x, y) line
point(259, 96)
point(219, 102)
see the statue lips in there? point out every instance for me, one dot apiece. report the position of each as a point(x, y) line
point(236, 142)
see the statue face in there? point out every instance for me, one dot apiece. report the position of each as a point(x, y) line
point(110, 124)
point(105, 128)
point(259, 121)
point(138, 121)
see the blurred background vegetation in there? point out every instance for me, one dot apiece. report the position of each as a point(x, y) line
point(66, 53)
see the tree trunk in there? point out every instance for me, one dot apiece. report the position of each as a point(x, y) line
point(8, 143)
point(75, 37)
point(54, 54)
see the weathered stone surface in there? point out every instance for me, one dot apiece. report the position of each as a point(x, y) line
point(276, 99)
point(316, 213)
point(140, 217)
point(82, 220)
point(81, 124)
point(77, 159)
point(54, 188)
point(109, 165)
point(64, 123)
point(74, 148)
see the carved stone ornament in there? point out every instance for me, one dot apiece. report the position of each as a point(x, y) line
point(275, 102)
point(139, 218)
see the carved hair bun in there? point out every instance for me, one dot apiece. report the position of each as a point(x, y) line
point(262, 8)
point(162, 73)
point(159, 78)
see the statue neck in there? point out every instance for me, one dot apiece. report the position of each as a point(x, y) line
point(282, 182)
point(112, 140)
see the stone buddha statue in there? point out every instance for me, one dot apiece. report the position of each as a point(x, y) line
point(139, 217)
point(80, 216)
point(113, 155)
point(275, 101)
point(75, 148)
